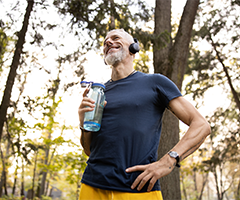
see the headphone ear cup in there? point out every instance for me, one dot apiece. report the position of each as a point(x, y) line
point(134, 47)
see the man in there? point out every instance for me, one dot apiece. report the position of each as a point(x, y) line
point(122, 160)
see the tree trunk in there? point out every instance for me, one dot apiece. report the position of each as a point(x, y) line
point(195, 184)
point(170, 184)
point(184, 188)
point(4, 159)
point(13, 68)
point(3, 175)
point(205, 181)
point(162, 24)
point(22, 181)
point(171, 61)
point(112, 18)
point(238, 190)
point(34, 173)
point(47, 188)
point(216, 182)
point(15, 178)
point(44, 173)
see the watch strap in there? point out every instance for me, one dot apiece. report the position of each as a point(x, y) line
point(176, 157)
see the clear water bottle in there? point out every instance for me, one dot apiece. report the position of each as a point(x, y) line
point(92, 120)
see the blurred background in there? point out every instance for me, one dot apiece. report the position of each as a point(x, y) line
point(48, 47)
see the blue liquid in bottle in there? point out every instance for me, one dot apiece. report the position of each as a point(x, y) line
point(92, 120)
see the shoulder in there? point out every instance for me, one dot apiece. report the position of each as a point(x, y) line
point(158, 80)
point(161, 78)
point(153, 77)
point(156, 76)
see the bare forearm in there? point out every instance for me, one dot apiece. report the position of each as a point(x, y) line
point(192, 140)
point(191, 150)
point(85, 140)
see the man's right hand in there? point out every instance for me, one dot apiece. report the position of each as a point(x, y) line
point(86, 105)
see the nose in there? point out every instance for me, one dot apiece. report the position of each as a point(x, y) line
point(108, 42)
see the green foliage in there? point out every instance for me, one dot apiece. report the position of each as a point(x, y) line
point(4, 40)
point(142, 64)
point(37, 119)
point(75, 165)
point(201, 68)
point(91, 20)
point(219, 32)
point(216, 42)
point(45, 197)
point(96, 18)
point(223, 150)
point(10, 197)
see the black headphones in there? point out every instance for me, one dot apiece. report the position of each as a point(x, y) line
point(134, 47)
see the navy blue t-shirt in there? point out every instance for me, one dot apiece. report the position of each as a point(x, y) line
point(130, 131)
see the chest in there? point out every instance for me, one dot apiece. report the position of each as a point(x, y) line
point(132, 97)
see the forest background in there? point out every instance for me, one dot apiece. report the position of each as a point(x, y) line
point(48, 47)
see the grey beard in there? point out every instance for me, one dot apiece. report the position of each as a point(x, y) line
point(113, 59)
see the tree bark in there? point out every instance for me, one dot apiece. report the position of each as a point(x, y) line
point(15, 178)
point(112, 18)
point(170, 184)
point(13, 68)
point(3, 175)
point(184, 188)
point(22, 181)
point(171, 61)
point(34, 173)
point(162, 24)
point(44, 173)
point(205, 180)
point(238, 190)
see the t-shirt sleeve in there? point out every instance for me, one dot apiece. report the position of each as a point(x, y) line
point(167, 89)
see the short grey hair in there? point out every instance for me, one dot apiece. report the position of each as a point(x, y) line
point(128, 36)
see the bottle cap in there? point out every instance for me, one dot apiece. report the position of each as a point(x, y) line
point(98, 84)
point(85, 83)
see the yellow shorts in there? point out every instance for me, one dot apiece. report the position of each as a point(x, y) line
point(90, 193)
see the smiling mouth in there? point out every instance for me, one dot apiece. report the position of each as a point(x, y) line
point(113, 47)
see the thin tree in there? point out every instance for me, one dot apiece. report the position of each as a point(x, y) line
point(14, 66)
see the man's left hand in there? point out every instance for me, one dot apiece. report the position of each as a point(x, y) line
point(151, 172)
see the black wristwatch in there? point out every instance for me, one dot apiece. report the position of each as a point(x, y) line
point(175, 155)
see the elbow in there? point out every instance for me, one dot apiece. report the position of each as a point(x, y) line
point(87, 152)
point(207, 129)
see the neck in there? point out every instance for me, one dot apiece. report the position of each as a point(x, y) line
point(120, 74)
point(122, 69)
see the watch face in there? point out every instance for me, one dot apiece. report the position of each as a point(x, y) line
point(173, 154)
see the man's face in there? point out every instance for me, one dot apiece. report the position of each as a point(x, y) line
point(115, 47)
